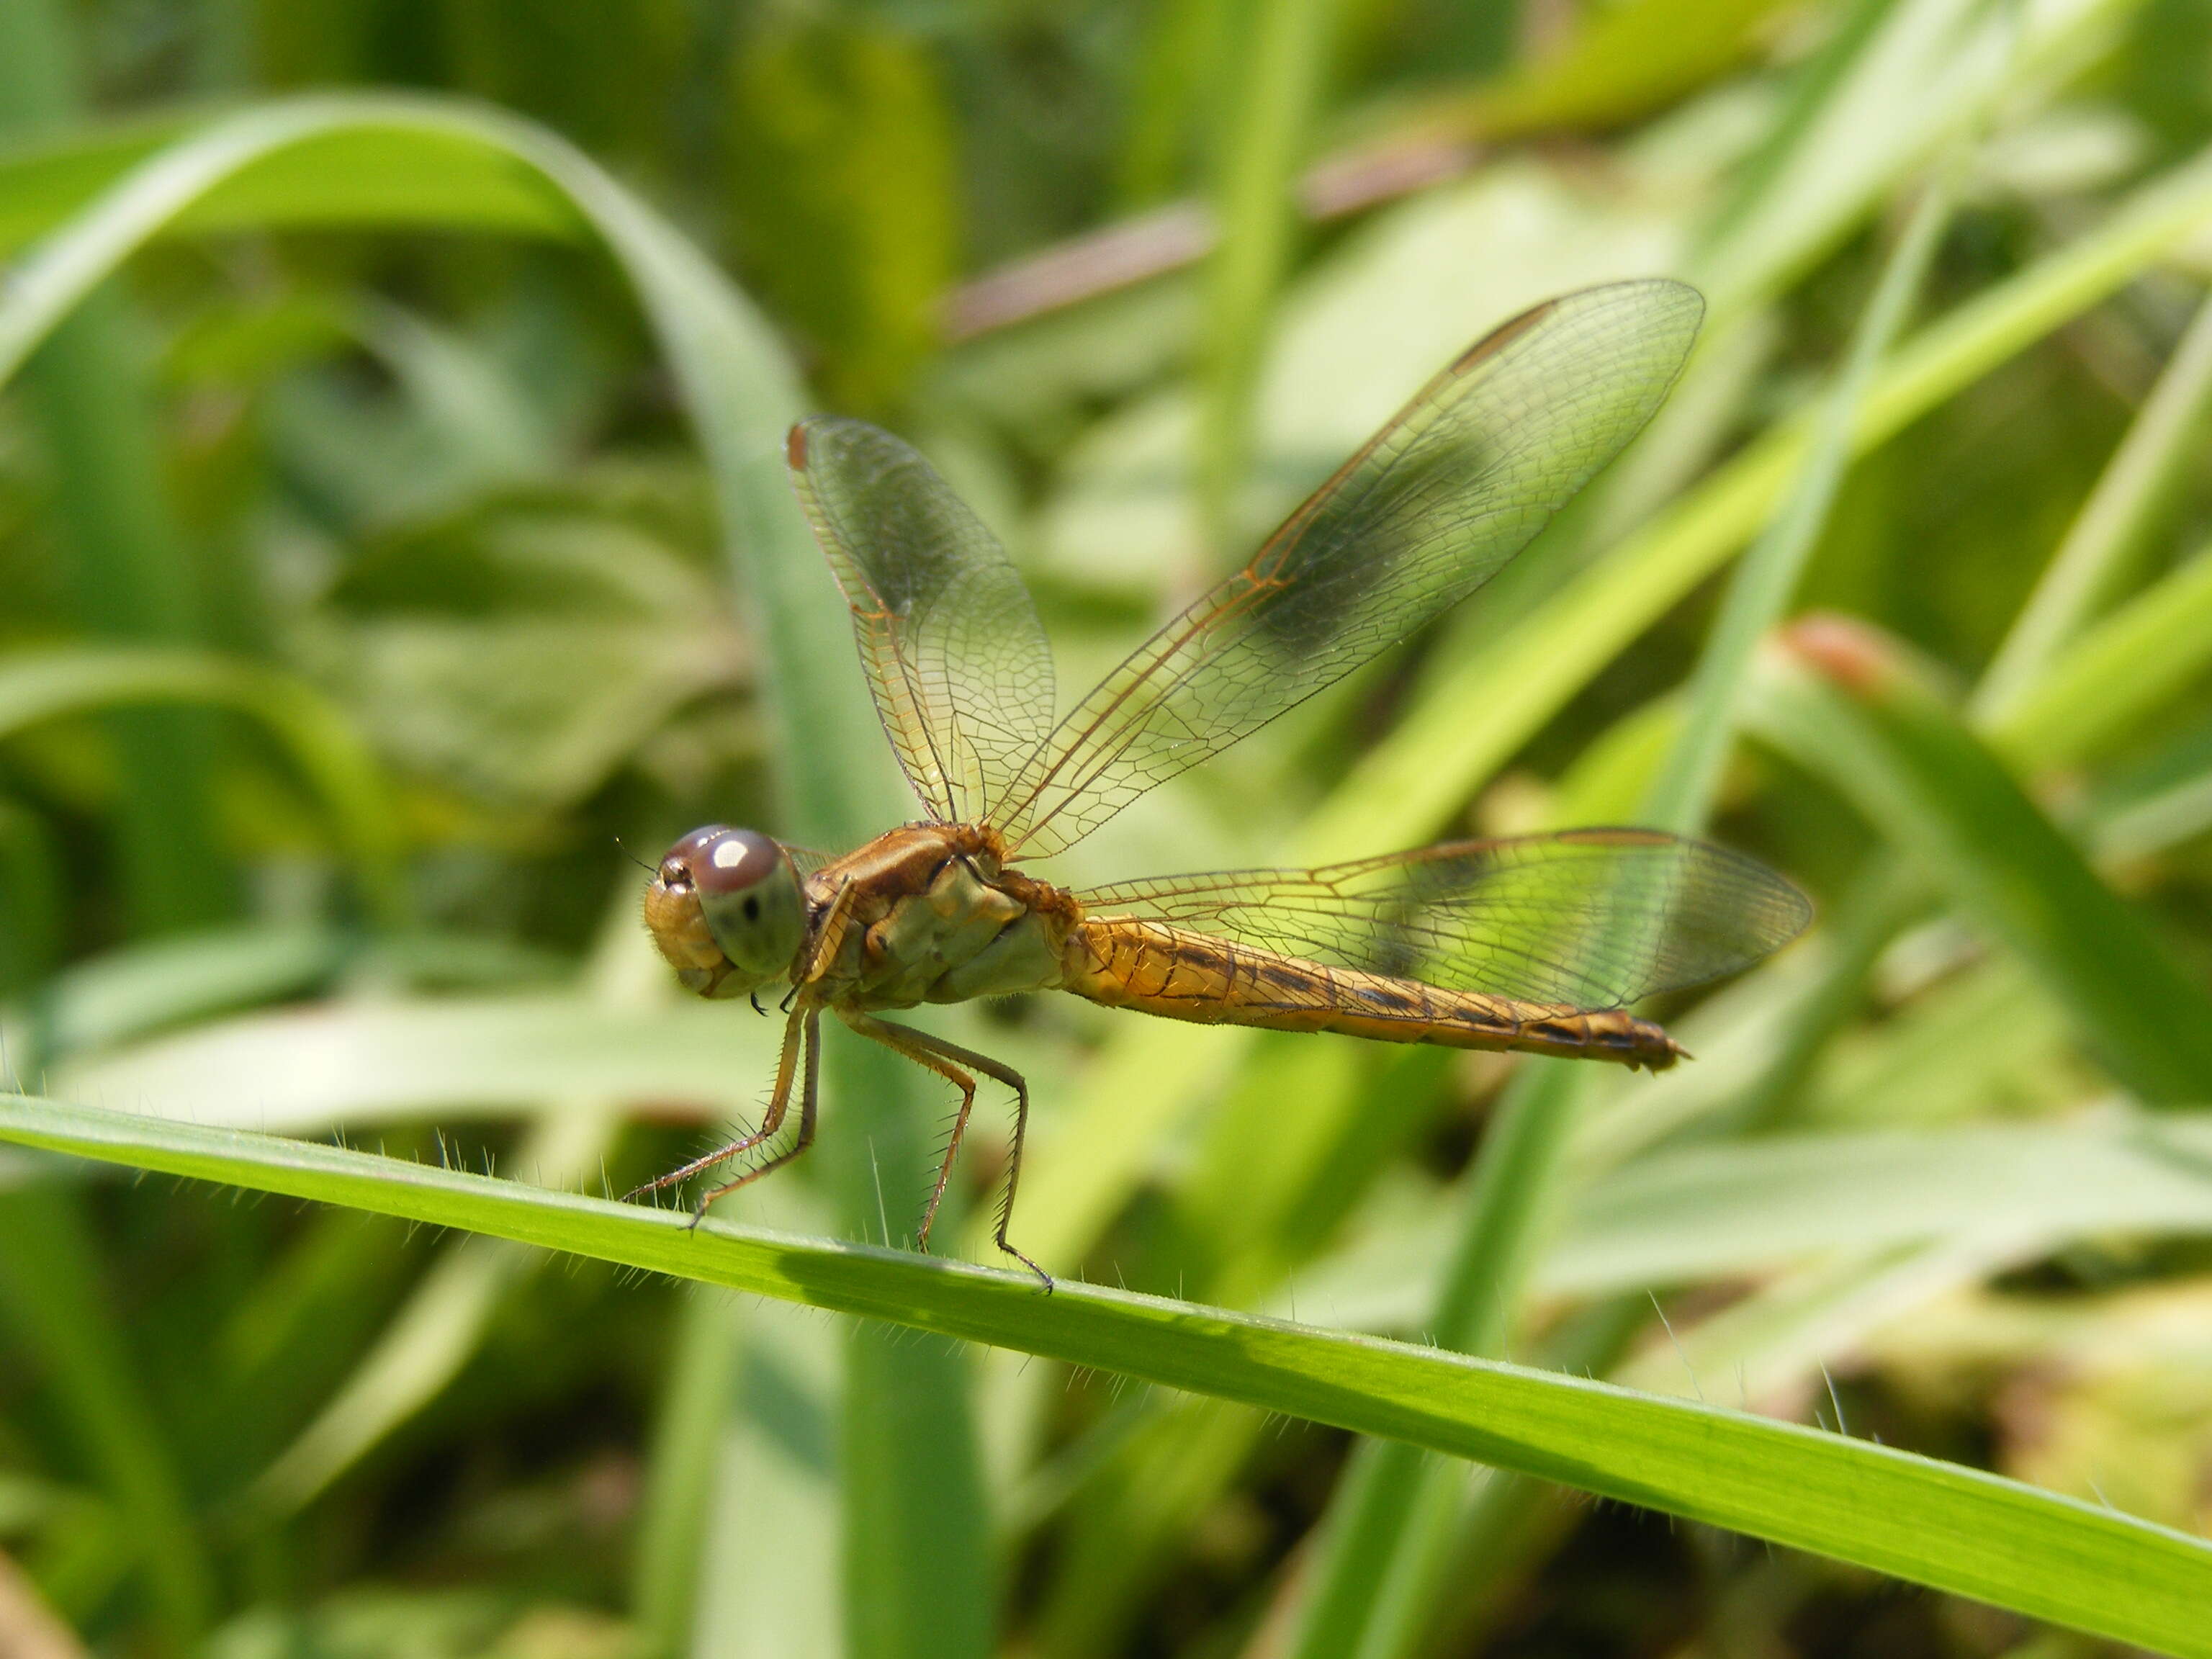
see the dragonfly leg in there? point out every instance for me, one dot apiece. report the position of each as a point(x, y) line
point(809, 1038)
point(771, 1119)
point(920, 1050)
point(829, 935)
point(945, 1059)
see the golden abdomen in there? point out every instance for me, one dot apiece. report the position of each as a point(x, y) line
point(1126, 963)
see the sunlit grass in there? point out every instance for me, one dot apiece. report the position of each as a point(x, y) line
point(278, 556)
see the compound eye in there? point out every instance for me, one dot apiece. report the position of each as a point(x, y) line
point(719, 859)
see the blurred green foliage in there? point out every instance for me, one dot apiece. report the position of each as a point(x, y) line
point(841, 169)
point(393, 550)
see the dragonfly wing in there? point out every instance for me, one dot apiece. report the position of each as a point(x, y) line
point(956, 657)
point(807, 859)
point(1433, 506)
point(1593, 918)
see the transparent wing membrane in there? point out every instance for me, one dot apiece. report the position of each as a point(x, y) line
point(955, 655)
point(1434, 506)
point(1594, 917)
point(806, 860)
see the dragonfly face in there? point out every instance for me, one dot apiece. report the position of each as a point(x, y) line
point(725, 909)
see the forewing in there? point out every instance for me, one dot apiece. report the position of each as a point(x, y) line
point(955, 654)
point(1593, 918)
point(1435, 505)
point(807, 859)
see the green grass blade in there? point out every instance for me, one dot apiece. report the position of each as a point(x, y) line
point(838, 147)
point(2161, 810)
point(1880, 900)
point(1123, 1534)
point(671, 1548)
point(1714, 1213)
point(1621, 62)
point(360, 1064)
point(836, 772)
point(1278, 88)
point(2107, 534)
point(441, 1326)
point(1759, 590)
point(127, 568)
point(1295, 1138)
point(1845, 704)
point(51, 1286)
point(1416, 778)
point(1954, 1528)
point(321, 741)
point(1924, 71)
point(422, 177)
point(126, 994)
point(2113, 675)
point(30, 902)
point(124, 563)
point(433, 1334)
point(1784, 1330)
point(1396, 1503)
point(2055, 693)
point(1702, 1213)
point(777, 1496)
point(1182, 40)
point(911, 1470)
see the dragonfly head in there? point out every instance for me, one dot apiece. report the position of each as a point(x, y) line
point(725, 909)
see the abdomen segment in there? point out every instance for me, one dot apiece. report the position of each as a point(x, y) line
point(1126, 963)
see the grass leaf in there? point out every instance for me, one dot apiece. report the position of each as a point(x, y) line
point(2102, 543)
point(837, 779)
point(335, 763)
point(1843, 702)
point(1932, 1523)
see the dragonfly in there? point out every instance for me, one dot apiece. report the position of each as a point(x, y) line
point(1538, 944)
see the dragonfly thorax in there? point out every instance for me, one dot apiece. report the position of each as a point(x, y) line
point(926, 912)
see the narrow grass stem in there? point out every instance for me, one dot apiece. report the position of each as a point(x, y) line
point(93, 400)
point(1277, 95)
point(1759, 592)
point(51, 1289)
point(30, 907)
point(1395, 1505)
point(1393, 1498)
point(695, 1401)
point(2102, 543)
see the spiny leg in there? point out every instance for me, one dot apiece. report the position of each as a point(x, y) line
point(771, 1119)
point(809, 1094)
point(938, 1056)
point(916, 1048)
point(1013, 1080)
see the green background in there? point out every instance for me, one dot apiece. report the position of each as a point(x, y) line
point(394, 549)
